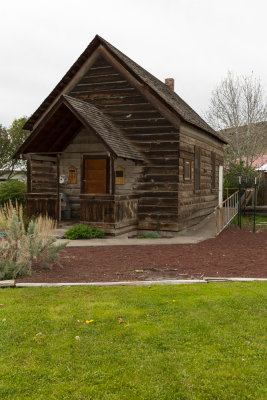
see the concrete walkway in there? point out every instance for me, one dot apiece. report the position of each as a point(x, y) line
point(202, 231)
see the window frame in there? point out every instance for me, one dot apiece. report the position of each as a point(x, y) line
point(213, 170)
point(190, 170)
point(120, 180)
point(197, 187)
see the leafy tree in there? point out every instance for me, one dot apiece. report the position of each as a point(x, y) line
point(234, 170)
point(10, 140)
point(247, 173)
point(4, 147)
point(238, 110)
point(12, 190)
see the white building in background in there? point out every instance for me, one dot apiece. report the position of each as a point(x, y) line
point(18, 173)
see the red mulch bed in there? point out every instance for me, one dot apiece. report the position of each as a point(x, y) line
point(233, 253)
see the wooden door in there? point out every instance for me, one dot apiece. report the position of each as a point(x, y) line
point(95, 175)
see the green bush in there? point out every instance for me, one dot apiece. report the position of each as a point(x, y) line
point(248, 175)
point(12, 190)
point(149, 235)
point(83, 232)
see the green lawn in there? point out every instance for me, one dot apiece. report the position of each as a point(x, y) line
point(248, 221)
point(203, 341)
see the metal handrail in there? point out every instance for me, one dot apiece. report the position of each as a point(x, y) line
point(227, 210)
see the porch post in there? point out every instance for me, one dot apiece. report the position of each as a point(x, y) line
point(29, 175)
point(113, 187)
point(58, 197)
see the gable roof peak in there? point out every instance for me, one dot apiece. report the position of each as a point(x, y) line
point(158, 88)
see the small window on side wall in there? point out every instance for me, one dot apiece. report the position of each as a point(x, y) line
point(72, 175)
point(119, 176)
point(187, 170)
point(213, 170)
point(197, 168)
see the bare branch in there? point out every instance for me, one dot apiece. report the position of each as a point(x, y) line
point(238, 110)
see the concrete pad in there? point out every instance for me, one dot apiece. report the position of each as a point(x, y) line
point(129, 242)
point(203, 230)
point(7, 283)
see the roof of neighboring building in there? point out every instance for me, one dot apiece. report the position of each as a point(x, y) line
point(260, 163)
point(262, 168)
point(184, 111)
point(103, 127)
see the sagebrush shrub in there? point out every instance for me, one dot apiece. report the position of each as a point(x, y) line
point(83, 232)
point(22, 246)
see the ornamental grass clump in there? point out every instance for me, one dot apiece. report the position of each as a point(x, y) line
point(83, 232)
point(22, 246)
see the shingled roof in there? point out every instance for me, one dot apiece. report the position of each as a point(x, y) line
point(90, 117)
point(104, 128)
point(171, 99)
point(168, 95)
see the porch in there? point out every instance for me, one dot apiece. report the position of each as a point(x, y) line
point(78, 152)
point(114, 213)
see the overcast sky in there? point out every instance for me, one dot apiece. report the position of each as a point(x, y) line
point(194, 41)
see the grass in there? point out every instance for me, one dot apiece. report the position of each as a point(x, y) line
point(159, 343)
point(248, 220)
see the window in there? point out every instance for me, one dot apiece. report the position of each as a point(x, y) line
point(72, 175)
point(197, 168)
point(187, 170)
point(119, 176)
point(213, 164)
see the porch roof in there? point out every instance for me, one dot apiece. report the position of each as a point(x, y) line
point(65, 120)
point(108, 132)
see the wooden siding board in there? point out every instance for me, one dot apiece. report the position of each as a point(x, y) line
point(195, 205)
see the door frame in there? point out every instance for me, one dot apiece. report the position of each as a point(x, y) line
point(95, 156)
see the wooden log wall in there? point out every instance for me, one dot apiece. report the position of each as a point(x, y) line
point(115, 214)
point(42, 186)
point(43, 174)
point(132, 170)
point(194, 205)
point(108, 89)
point(42, 204)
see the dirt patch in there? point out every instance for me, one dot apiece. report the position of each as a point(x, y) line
point(233, 253)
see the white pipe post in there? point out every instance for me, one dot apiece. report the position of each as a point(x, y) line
point(220, 184)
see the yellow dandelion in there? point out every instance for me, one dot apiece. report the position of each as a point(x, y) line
point(174, 301)
point(89, 322)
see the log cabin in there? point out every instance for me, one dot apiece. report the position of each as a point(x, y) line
point(125, 150)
